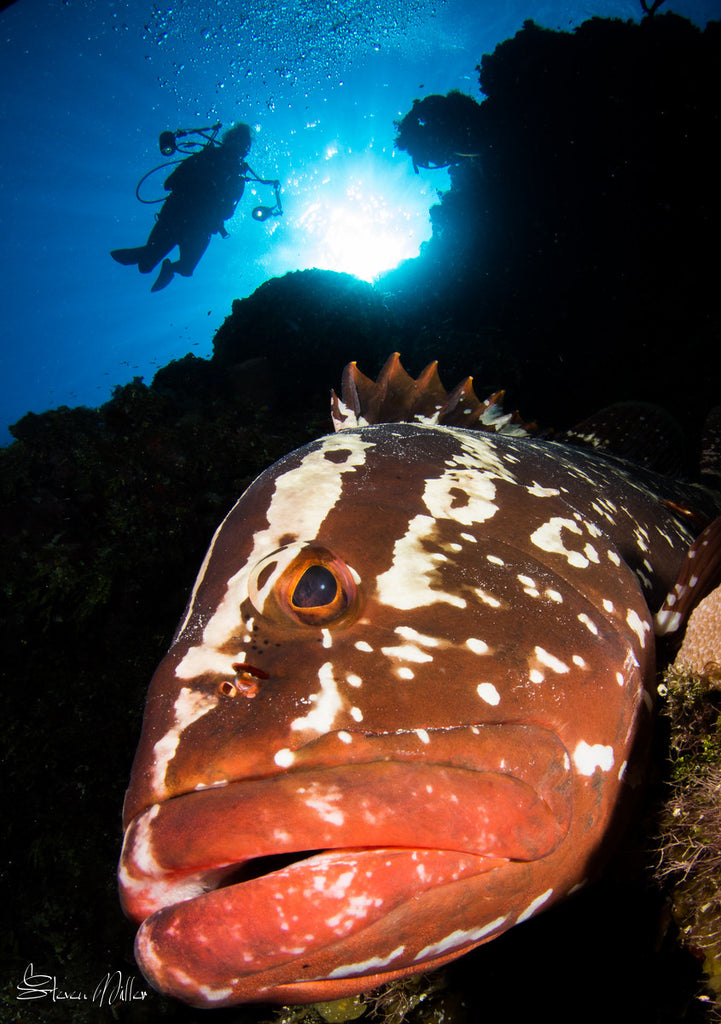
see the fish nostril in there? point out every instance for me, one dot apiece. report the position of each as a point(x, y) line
point(245, 683)
point(244, 669)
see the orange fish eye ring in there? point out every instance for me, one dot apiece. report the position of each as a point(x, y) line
point(316, 589)
point(306, 584)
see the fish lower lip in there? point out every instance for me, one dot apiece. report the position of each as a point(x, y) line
point(287, 935)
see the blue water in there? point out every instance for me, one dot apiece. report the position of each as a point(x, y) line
point(88, 87)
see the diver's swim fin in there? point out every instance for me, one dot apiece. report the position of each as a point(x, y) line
point(127, 256)
point(165, 276)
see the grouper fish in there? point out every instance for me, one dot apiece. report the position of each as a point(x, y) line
point(408, 701)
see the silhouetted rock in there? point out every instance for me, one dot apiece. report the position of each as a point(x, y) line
point(581, 240)
point(310, 323)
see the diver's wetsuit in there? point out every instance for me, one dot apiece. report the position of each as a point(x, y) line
point(204, 191)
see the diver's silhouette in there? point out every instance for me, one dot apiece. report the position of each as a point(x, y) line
point(204, 191)
point(440, 131)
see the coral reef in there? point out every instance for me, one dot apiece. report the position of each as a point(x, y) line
point(312, 322)
point(689, 829)
point(701, 647)
point(576, 232)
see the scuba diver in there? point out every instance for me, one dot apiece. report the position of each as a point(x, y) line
point(204, 189)
point(442, 131)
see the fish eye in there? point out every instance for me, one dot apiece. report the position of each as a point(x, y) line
point(316, 588)
point(306, 584)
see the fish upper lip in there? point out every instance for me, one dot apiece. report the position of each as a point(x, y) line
point(407, 791)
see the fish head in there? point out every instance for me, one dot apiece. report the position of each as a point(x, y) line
point(385, 731)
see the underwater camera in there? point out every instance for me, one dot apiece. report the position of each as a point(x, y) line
point(167, 143)
point(261, 213)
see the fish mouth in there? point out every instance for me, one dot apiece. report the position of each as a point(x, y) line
point(334, 876)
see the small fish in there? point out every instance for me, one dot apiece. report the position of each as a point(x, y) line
point(411, 690)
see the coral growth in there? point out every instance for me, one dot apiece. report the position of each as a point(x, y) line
point(689, 839)
point(701, 647)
